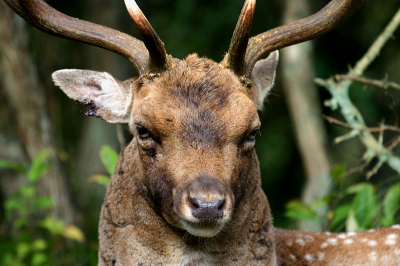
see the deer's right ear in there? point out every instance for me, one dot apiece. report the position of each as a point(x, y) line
point(108, 98)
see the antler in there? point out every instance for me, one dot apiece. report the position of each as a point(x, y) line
point(158, 55)
point(327, 19)
point(234, 59)
point(47, 19)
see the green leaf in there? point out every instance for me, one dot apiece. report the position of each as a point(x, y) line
point(100, 179)
point(19, 222)
point(73, 232)
point(320, 202)
point(391, 205)
point(17, 204)
point(39, 259)
point(43, 203)
point(23, 250)
point(28, 191)
point(364, 206)
point(298, 210)
point(340, 214)
point(109, 158)
point(13, 204)
point(337, 173)
point(352, 224)
point(357, 188)
point(4, 164)
point(39, 244)
point(9, 260)
point(39, 166)
point(55, 226)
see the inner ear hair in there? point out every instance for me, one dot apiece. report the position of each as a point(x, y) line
point(109, 98)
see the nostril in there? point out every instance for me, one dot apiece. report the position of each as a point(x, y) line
point(196, 202)
point(220, 204)
point(207, 211)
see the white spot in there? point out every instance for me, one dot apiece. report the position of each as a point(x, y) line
point(364, 240)
point(289, 243)
point(324, 245)
point(351, 234)
point(309, 238)
point(396, 226)
point(293, 257)
point(392, 236)
point(397, 251)
point(309, 258)
point(320, 255)
point(342, 236)
point(385, 260)
point(348, 241)
point(390, 242)
point(371, 230)
point(328, 233)
point(301, 242)
point(372, 243)
point(332, 241)
point(372, 256)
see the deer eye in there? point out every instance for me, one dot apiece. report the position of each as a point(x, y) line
point(142, 132)
point(253, 134)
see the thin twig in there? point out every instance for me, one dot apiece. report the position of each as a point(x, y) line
point(347, 136)
point(356, 169)
point(394, 142)
point(378, 83)
point(381, 128)
point(376, 47)
point(375, 170)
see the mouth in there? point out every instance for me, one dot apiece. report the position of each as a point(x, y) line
point(202, 229)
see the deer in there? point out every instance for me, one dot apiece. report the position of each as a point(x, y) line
point(187, 189)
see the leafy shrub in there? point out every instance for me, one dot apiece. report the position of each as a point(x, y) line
point(37, 238)
point(356, 208)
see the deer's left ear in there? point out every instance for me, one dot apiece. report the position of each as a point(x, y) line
point(263, 76)
point(108, 98)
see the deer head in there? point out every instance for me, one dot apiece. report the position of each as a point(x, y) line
point(194, 121)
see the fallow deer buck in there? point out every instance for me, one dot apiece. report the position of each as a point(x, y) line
point(187, 189)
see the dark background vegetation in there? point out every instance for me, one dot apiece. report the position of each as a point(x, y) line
point(203, 27)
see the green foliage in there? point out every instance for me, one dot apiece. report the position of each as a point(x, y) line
point(298, 210)
point(109, 159)
point(23, 210)
point(357, 208)
point(391, 205)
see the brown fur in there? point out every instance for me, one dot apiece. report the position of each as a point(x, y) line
point(187, 189)
point(199, 114)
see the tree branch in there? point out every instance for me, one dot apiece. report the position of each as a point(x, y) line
point(381, 128)
point(378, 83)
point(340, 99)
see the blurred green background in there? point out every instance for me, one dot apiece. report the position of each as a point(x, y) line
point(188, 26)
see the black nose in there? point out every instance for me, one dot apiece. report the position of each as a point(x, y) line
point(207, 211)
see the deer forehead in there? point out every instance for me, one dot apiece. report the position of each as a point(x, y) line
point(196, 96)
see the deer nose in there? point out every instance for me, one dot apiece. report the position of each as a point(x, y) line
point(207, 211)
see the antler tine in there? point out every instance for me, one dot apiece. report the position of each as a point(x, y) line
point(158, 55)
point(235, 58)
point(47, 19)
point(327, 19)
